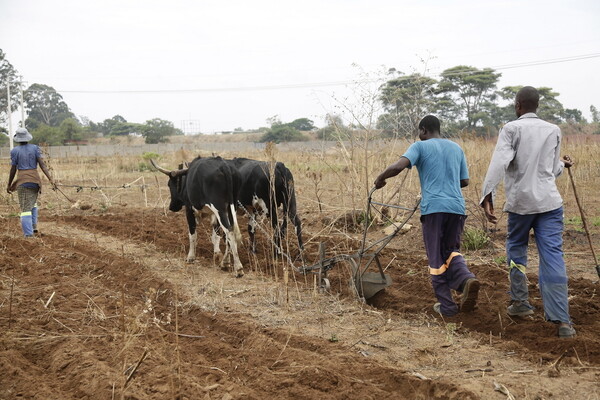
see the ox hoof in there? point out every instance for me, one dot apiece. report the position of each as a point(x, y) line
point(239, 274)
point(190, 260)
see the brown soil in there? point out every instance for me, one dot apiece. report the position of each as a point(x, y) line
point(102, 306)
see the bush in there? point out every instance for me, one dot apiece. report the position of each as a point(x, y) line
point(475, 239)
point(283, 133)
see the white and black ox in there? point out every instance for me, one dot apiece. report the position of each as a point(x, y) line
point(262, 196)
point(208, 186)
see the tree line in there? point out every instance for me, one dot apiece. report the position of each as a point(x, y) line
point(465, 98)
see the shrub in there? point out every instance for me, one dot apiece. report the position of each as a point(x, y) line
point(475, 239)
point(283, 133)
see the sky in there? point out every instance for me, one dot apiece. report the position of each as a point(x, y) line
point(219, 65)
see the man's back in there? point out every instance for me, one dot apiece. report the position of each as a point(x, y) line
point(442, 165)
point(530, 175)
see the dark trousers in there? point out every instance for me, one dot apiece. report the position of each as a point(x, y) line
point(442, 234)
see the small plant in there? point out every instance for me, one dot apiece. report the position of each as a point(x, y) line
point(333, 338)
point(500, 260)
point(573, 221)
point(149, 155)
point(475, 239)
point(596, 221)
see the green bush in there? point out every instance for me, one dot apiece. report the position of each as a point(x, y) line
point(475, 239)
point(283, 133)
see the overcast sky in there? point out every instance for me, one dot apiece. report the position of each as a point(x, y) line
point(228, 64)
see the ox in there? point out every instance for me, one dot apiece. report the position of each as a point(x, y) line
point(208, 186)
point(262, 196)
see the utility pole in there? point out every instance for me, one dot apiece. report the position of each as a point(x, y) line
point(9, 112)
point(22, 103)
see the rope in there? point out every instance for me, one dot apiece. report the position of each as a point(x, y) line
point(92, 188)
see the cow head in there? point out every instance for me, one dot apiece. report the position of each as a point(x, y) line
point(176, 185)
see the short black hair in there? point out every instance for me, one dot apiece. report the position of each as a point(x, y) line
point(529, 97)
point(430, 123)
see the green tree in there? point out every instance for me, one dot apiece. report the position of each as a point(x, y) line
point(45, 106)
point(50, 135)
point(157, 130)
point(470, 89)
point(283, 133)
point(302, 124)
point(595, 114)
point(550, 108)
point(406, 99)
point(574, 115)
point(8, 78)
point(335, 129)
point(71, 130)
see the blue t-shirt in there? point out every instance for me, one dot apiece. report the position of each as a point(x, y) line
point(441, 164)
point(25, 156)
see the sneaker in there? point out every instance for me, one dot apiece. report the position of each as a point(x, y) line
point(468, 299)
point(566, 331)
point(437, 307)
point(518, 309)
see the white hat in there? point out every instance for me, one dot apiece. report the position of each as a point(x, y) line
point(22, 135)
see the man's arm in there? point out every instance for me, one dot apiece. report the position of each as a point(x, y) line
point(391, 171)
point(464, 183)
point(11, 176)
point(46, 172)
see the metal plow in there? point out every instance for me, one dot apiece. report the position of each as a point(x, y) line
point(367, 276)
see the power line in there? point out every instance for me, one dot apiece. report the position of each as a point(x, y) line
point(324, 84)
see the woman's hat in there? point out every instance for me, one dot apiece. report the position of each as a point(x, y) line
point(22, 135)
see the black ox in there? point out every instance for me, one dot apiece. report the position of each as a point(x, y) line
point(261, 195)
point(208, 186)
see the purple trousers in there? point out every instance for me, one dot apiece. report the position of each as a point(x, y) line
point(442, 234)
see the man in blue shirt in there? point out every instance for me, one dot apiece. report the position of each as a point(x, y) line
point(443, 172)
point(24, 160)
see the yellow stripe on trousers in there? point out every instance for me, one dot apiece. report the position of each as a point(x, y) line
point(444, 267)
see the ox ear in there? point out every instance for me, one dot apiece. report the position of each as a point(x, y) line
point(159, 168)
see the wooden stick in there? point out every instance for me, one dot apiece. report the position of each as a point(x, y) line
point(587, 232)
point(49, 300)
point(12, 285)
point(136, 367)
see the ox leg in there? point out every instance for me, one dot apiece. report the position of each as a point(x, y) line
point(191, 220)
point(252, 223)
point(232, 236)
point(216, 241)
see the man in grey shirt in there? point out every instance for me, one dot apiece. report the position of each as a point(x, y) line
point(527, 156)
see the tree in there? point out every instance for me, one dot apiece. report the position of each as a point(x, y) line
point(470, 89)
point(406, 99)
point(45, 106)
point(8, 78)
point(335, 129)
point(156, 130)
point(550, 109)
point(574, 115)
point(595, 114)
point(71, 130)
point(283, 133)
point(50, 135)
point(302, 124)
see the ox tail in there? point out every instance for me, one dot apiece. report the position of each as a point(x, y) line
point(289, 206)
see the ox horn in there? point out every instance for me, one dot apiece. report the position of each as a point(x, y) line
point(161, 169)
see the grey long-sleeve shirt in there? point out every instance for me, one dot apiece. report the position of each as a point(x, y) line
point(527, 155)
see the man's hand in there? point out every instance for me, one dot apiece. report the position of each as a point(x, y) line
point(379, 182)
point(568, 161)
point(8, 189)
point(488, 209)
